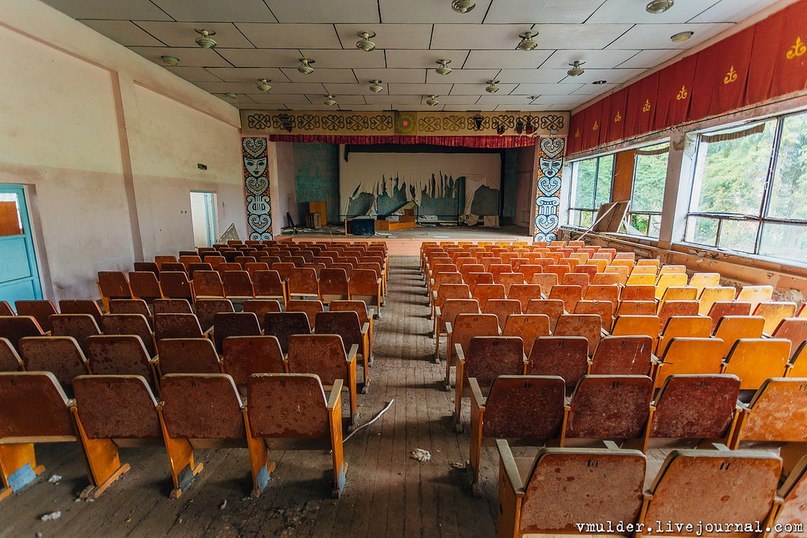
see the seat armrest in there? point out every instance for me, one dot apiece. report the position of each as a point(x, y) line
point(365, 329)
point(509, 466)
point(336, 393)
point(448, 328)
point(460, 353)
point(476, 393)
point(351, 355)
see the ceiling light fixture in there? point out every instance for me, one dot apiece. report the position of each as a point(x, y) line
point(376, 87)
point(492, 86)
point(305, 66)
point(599, 82)
point(263, 85)
point(432, 100)
point(659, 6)
point(463, 6)
point(330, 100)
point(364, 43)
point(204, 40)
point(231, 95)
point(170, 60)
point(527, 42)
point(680, 37)
point(443, 69)
point(576, 70)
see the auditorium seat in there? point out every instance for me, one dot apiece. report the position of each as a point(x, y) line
point(569, 294)
point(626, 325)
point(176, 326)
point(9, 358)
point(465, 327)
point(260, 307)
point(187, 356)
point(366, 285)
point(666, 280)
point(727, 308)
point(206, 309)
point(172, 306)
point(13, 328)
point(638, 293)
point(588, 326)
point(145, 286)
point(79, 326)
point(113, 285)
point(227, 324)
point(237, 286)
point(622, 355)
point(122, 354)
point(528, 327)
point(712, 294)
point(790, 501)
point(283, 325)
point(546, 280)
point(347, 325)
point(668, 309)
point(446, 314)
point(333, 285)
point(755, 295)
point(40, 310)
point(732, 328)
point(502, 308)
point(129, 324)
point(793, 329)
point(269, 285)
point(774, 312)
point(699, 281)
point(247, 355)
point(689, 355)
point(563, 356)
point(756, 359)
point(687, 326)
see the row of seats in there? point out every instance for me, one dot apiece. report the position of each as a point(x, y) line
point(283, 411)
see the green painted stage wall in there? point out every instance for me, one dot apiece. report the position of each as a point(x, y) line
point(509, 182)
point(316, 176)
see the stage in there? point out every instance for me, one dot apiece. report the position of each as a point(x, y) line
point(407, 242)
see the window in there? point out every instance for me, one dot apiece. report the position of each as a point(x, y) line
point(649, 179)
point(591, 187)
point(749, 192)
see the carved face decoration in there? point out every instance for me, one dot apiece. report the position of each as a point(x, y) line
point(255, 167)
point(550, 167)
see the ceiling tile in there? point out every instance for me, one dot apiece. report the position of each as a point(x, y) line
point(544, 11)
point(476, 36)
point(541, 76)
point(188, 56)
point(389, 36)
point(124, 32)
point(594, 59)
point(261, 57)
point(297, 88)
point(229, 87)
point(419, 89)
point(459, 108)
point(320, 75)
point(424, 58)
point(290, 36)
point(350, 89)
point(732, 10)
point(380, 99)
point(341, 99)
point(578, 36)
point(612, 76)
point(464, 100)
point(284, 99)
point(216, 10)
point(345, 58)
point(195, 74)
point(350, 11)
point(649, 58)
point(657, 36)
point(104, 9)
point(365, 108)
point(513, 59)
point(247, 74)
point(182, 34)
point(631, 11)
point(470, 76)
point(521, 108)
point(570, 101)
point(411, 11)
point(595, 89)
point(240, 99)
point(546, 89)
point(479, 89)
point(490, 101)
point(413, 76)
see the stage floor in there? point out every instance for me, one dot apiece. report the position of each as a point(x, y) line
point(407, 242)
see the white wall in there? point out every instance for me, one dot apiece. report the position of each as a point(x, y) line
point(107, 144)
point(286, 186)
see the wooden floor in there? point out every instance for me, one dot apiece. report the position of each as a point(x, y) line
point(388, 493)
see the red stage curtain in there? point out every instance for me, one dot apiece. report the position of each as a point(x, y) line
point(779, 55)
point(575, 139)
point(674, 93)
point(592, 125)
point(614, 115)
point(641, 107)
point(457, 141)
point(721, 74)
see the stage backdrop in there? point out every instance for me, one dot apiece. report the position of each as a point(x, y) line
point(441, 185)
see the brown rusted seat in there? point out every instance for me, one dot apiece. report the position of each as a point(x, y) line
point(564, 356)
point(291, 411)
point(603, 309)
point(564, 487)
point(176, 326)
point(636, 308)
point(465, 327)
point(707, 486)
point(260, 307)
point(303, 282)
point(792, 329)
point(13, 328)
point(238, 285)
point(777, 414)
point(172, 306)
point(207, 284)
point(638, 293)
point(9, 358)
point(693, 408)
point(130, 324)
point(668, 309)
point(524, 293)
point(113, 285)
point(502, 308)
point(114, 411)
point(33, 409)
point(622, 355)
point(485, 358)
point(791, 500)
point(206, 310)
point(588, 326)
point(333, 285)
point(365, 284)
point(269, 285)
point(609, 407)
point(5, 309)
point(247, 355)
point(365, 316)
point(193, 268)
point(60, 355)
point(447, 314)
point(200, 411)
point(79, 326)
point(347, 325)
point(174, 267)
point(517, 407)
point(226, 324)
point(528, 327)
point(187, 356)
point(120, 355)
point(283, 325)
point(324, 355)
point(145, 285)
point(40, 310)
point(175, 285)
point(310, 307)
point(551, 307)
point(83, 306)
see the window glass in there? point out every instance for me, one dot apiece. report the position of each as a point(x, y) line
point(789, 192)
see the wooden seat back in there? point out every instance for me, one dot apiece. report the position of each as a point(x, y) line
point(345, 324)
point(690, 355)
point(333, 283)
point(187, 356)
point(793, 329)
point(569, 294)
point(226, 324)
point(23, 422)
point(732, 328)
point(547, 281)
point(622, 355)
point(524, 293)
point(79, 326)
point(10, 360)
point(488, 357)
point(665, 280)
point(699, 281)
point(282, 325)
point(129, 306)
point(176, 326)
point(267, 284)
point(502, 308)
point(466, 326)
point(777, 413)
point(793, 495)
point(711, 294)
point(755, 294)
point(610, 407)
point(636, 308)
point(588, 326)
point(756, 359)
point(40, 310)
point(668, 309)
point(680, 293)
point(603, 309)
point(637, 292)
point(528, 327)
point(320, 354)
point(287, 406)
point(207, 284)
point(117, 407)
point(145, 285)
point(641, 325)
point(114, 285)
point(13, 328)
point(564, 356)
point(172, 306)
point(60, 355)
point(247, 355)
point(553, 308)
point(122, 354)
point(310, 307)
point(677, 326)
point(603, 292)
point(774, 312)
point(260, 307)
point(201, 406)
point(359, 307)
point(520, 406)
point(727, 308)
point(206, 310)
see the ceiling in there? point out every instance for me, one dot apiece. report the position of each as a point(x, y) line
point(617, 39)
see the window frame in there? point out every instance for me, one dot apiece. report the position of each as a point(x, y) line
point(573, 188)
point(650, 214)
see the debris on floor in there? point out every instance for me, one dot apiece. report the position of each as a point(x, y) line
point(55, 479)
point(420, 454)
point(456, 465)
point(223, 505)
point(51, 517)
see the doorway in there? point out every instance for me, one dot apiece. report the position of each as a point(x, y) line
point(19, 272)
point(203, 216)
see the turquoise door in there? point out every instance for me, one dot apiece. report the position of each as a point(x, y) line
point(19, 275)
